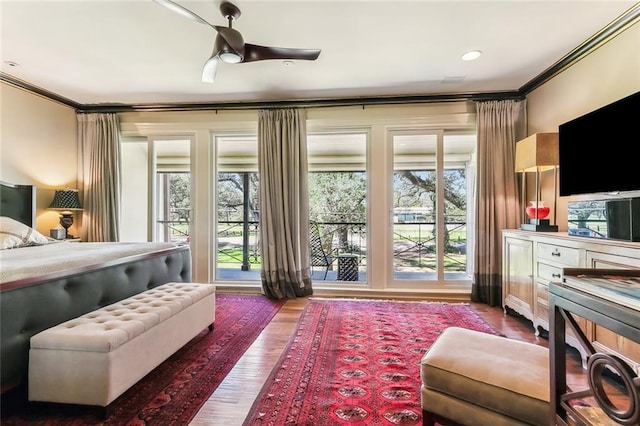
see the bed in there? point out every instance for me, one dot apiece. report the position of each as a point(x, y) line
point(45, 282)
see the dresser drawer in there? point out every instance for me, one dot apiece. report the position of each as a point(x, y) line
point(548, 272)
point(611, 261)
point(566, 256)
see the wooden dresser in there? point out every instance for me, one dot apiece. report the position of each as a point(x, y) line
point(530, 260)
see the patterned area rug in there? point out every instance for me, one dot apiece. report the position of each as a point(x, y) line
point(356, 362)
point(173, 393)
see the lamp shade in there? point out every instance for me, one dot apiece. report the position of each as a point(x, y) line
point(538, 152)
point(66, 199)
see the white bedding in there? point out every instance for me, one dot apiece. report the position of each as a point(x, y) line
point(32, 261)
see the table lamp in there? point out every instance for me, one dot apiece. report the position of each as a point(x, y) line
point(538, 153)
point(66, 200)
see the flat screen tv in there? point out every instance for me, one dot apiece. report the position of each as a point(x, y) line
point(598, 152)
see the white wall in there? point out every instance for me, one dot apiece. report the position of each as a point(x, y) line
point(606, 75)
point(38, 146)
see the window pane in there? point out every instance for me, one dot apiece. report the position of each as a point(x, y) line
point(338, 205)
point(431, 195)
point(238, 249)
point(455, 218)
point(174, 206)
point(173, 190)
point(414, 207)
point(459, 159)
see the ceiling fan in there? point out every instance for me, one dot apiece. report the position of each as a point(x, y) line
point(229, 46)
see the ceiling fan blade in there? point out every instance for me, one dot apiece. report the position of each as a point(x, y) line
point(180, 10)
point(232, 37)
point(253, 52)
point(209, 70)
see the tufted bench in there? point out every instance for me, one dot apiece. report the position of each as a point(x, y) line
point(93, 359)
point(475, 378)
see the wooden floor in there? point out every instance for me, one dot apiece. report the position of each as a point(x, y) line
point(231, 402)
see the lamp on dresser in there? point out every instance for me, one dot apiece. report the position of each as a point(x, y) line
point(538, 153)
point(67, 201)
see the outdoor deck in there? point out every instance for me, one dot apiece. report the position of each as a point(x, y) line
point(236, 274)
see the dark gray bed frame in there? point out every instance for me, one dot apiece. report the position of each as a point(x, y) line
point(18, 202)
point(29, 306)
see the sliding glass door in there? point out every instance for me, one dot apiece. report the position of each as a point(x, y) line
point(430, 200)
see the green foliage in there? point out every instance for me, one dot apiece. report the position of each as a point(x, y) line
point(417, 188)
point(231, 195)
point(180, 197)
point(337, 196)
point(414, 188)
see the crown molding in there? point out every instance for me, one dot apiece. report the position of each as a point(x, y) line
point(292, 103)
point(617, 26)
point(39, 91)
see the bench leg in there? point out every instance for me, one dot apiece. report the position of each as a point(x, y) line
point(427, 419)
point(102, 412)
point(431, 419)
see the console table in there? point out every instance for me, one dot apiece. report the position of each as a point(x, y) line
point(595, 301)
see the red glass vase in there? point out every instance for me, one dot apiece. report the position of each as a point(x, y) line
point(543, 211)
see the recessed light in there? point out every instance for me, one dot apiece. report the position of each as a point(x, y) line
point(471, 55)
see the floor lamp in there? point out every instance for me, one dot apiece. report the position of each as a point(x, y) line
point(538, 153)
point(66, 200)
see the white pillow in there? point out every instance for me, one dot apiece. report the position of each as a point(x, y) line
point(14, 234)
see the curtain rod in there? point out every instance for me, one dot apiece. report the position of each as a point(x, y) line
point(303, 103)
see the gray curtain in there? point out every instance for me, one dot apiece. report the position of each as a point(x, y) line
point(500, 125)
point(284, 203)
point(99, 175)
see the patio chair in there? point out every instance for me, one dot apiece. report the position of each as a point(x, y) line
point(318, 256)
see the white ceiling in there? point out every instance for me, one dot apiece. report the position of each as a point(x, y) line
point(138, 52)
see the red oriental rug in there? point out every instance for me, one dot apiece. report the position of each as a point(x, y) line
point(356, 362)
point(172, 393)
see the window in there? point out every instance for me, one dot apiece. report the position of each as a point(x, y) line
point(173, 206)
point(338, 204)
point(365, 193)
point(238, 249)
point(430, 199)
point(156, 189)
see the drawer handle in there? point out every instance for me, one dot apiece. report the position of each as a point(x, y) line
point(555, 275)
point(555, 253)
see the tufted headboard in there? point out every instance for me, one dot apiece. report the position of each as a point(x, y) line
point(18, 202)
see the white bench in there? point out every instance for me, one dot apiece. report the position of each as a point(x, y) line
point(93, 359)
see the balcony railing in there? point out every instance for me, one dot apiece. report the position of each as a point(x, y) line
point(238, 250)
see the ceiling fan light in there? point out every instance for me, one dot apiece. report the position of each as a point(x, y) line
point(230, 57)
